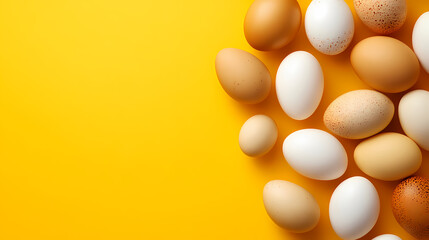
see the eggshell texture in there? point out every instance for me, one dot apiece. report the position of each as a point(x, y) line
point(354, 208)
point(291, 206)
point(315, 154)
point(359, 114)
point(410, 206)
point(258, 135)
point(243, 76)
point(413, 114)
point(272, 24)
point(329, 26)
point(385, 64)
point(299, 84)
point(421, 40)
point(382, 16)
point(388, 156)
point(387, 237)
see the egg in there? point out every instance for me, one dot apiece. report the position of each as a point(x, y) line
point(385, 63)
point(272, 24)
point(388, 156)
point(359, 114)
point(315, 154)
point(354, 208)
point(258, 135)
point(410, 206)
point(413, 111)
point(329, 26)
point(291, 206)
point(382, 16)
point(421, 39)
point(243, 76)
point(387, 237)
point(299, 85)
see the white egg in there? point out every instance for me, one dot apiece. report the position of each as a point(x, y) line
point(421, 40)
point(354, 208)
point(387, 237)
point(315, 154)
point(413, 111)
point(299, 84)
point(329, 26)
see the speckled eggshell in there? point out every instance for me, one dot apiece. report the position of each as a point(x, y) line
point(382, 16)
point(359, 114)
point(410, 206)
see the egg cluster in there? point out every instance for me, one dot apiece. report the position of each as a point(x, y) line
point(361, 114)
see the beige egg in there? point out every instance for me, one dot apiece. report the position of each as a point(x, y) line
point(359, 114)
point(272, 24)
point(258, 135)
point(388, 156)
point(290, 206)
point(382, 16)
point(243, 76)
point(385, 63)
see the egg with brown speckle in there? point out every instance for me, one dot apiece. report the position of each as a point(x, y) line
point(410, 206)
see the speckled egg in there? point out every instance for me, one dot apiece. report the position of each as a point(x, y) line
point(382, 16)
point(410, 206)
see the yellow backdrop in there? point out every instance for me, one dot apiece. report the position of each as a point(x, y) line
point(113, 124)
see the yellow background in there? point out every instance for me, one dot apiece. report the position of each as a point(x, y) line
point(113, 124)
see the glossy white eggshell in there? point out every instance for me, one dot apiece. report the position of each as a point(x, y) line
point(421, 40)
point(387, 237)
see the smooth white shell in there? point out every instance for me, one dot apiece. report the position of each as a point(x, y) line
point(315, 154)
point(354, 208)
point(387, 237)
point(299, 84)
point(421, 40)
point(329, 26)
point(413, 111)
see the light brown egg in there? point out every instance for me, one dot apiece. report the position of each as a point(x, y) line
point(258, 135)
point(410, 206)
point(388, 156)
point(382, 16)
point(290, 206)
point(385, 64)
point(272, 24)
point(243, 76)
point(359, 114)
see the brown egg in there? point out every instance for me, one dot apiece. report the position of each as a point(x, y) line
point(243, 76)
point(382, 16)
point(258, 135)
point(272, 24)
point(410, 206)
point(385, 64)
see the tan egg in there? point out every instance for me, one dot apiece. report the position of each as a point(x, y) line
point(382, 16)
point(410, 206)
point(258, 135)
point(272, 24)
point(385, 64)
point(388, 156)
point(291, 206)
point(243, 76)
point(359, 114)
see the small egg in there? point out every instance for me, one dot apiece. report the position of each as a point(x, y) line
point(291, 206)
point(258, 135)
point(421, 40)
point(388, 156)
point(359, 114)
point(385, 63)
point(272, 24)
point(413, 114)
point(329, 26)
point(387, 237)
point(243, 76)
point(410, 206)
point(382, 16)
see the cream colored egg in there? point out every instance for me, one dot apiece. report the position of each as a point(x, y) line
point(359, 114)
point(388, 156)
point(290, 206)
point(258, 135)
